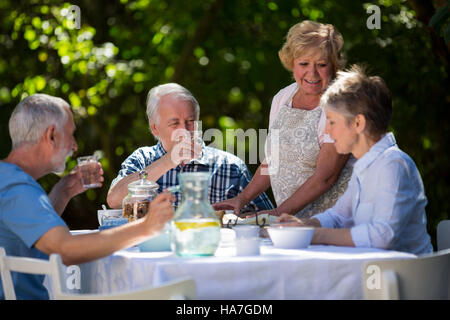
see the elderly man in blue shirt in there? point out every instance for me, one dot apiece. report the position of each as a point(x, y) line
point(384, 204)
point(172, 113)
point(41, 129)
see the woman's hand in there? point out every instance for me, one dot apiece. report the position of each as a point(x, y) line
point(289, 220)
point(235, 204)
point(272, 212)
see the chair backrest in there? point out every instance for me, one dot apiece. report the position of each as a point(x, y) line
point(425, 277)
point(443, 235)
point(179, 289)
point(52, 267)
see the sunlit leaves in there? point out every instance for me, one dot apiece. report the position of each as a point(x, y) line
point(32, 85)
point(227, 122)
point(123, 48)
point(5, 94)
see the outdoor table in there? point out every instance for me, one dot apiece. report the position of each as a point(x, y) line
point(316, 272)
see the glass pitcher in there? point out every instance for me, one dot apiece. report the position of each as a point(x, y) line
point(195, 227)
point(140, 194)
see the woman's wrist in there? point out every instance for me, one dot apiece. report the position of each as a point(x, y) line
point(316, 239)
point(313, 222)
point(244, 198)
point(283, 208)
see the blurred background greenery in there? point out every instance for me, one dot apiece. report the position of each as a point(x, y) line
point(225, 53)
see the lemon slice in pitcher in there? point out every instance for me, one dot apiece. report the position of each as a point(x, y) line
point(192, 224)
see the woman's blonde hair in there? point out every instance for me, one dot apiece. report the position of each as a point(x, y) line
point(309, 36)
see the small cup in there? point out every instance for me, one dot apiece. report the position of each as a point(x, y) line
point(246, 231)
point(90, 174)
point(247, 246)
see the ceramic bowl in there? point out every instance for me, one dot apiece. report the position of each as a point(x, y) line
point(291, 237)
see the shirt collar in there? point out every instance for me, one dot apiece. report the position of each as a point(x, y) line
point(160, 149)
point(375, 151)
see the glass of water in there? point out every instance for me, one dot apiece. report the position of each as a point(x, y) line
point(90, 173)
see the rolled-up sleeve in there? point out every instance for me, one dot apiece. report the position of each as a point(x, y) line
point(134, 163)
point(327, 219)
point(376, 234)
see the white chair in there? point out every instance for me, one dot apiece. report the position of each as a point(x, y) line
point(425, 277)
point(443, 235)
point(180, 289)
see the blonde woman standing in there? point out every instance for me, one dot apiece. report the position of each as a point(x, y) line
point(302, 166)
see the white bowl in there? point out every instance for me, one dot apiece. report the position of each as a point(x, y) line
point(291, 237)
point(110, 213)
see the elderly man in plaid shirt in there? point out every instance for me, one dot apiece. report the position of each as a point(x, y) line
point(173, 111)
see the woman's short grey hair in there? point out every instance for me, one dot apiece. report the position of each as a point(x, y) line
point(354, 92)
point(33, 115)
point(155, 94)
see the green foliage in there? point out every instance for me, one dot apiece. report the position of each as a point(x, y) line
point(225, 52)
point(441, 21)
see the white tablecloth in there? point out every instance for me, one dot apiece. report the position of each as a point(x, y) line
point(318, 272)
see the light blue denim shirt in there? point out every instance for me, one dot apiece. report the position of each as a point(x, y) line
point(384, 204)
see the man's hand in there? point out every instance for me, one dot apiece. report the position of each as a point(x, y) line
point(73, 184)
point(159, 212)
point(186, 148)
point(68, 187)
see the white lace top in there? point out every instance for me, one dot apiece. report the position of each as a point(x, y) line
point(284, 97)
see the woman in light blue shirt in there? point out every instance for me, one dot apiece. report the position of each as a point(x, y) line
point(384, 204)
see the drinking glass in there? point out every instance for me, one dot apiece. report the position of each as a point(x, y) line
point(90, 173)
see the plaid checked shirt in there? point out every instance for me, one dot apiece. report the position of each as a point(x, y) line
point(229, 174)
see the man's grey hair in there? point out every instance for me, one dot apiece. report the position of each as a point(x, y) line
point(33, 115)
point(155, 94)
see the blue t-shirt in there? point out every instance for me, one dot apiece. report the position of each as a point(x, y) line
point(25, 215)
